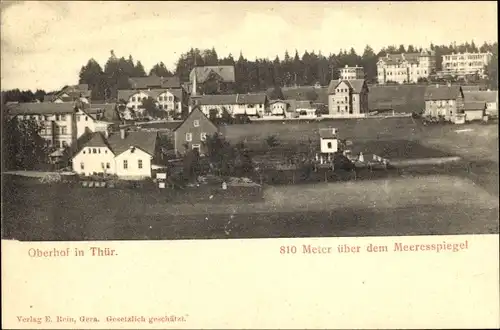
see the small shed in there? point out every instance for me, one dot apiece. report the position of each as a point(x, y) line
point(329, 142)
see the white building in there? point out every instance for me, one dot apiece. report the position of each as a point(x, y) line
point(352, 72)
point(465, 63)
point(88, 122)
point(329, 142)
point(129, 155)
point(165, 99)
point(234, 104)
point(406, 67)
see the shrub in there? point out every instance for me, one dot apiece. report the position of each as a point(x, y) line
point(272, 141)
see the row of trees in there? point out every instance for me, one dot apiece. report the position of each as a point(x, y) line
point(253, 75)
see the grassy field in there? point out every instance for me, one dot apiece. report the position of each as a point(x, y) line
point(393, 206)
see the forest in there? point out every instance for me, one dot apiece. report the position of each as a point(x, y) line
point(252, 75)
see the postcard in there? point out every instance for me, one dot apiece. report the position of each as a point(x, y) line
point(254, 165)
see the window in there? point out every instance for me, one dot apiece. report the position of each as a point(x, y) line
point(64, 144)
point(57, 117)
point(329, 145)
point(102, 165)
point(338, 108)
point(82, 166)
point(63, 117)
point(105, 151)
point(139, 163)
point(170, 98)
point(86, 118)
point(84, 151)
point(64, 130)
point(189, 137)
point(78, 117)
point(94, 150)
point(99, 150)
point(196, 123)
point(125, 164)
point(108, 166)
point(203, 136)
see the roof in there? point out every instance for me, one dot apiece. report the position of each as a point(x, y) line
point(226, 72)
point(470, 88)
point(486, 96)
point(394, 59)
point(474, 105)
point(125, 94)
point(195, 109)
point(291, 105)
point(356, 85)
point(326, 133)
point(41, 108)
point(154, 81)
point(75, 91)
point(300, 93)
point(442, 93)
point(95, 108)
point(304, 105)
point(145, 141)
point(227, 99)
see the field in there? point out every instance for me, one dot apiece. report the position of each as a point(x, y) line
point(461, 199)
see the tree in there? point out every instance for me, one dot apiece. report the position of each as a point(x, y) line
point(191, 165)
point(491, 70)
point(22, 147)
point(151, 108)
point(276, 94)
point(160, 70)
point(139, 70)
point(220, 155)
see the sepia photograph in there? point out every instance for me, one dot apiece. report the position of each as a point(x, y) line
point(252, 165)
point(154, 126)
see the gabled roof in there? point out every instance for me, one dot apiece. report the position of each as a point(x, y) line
point(474, 105)
point(326, 133)
point(486, 96)
point(300, 93)
point(125, 94)
point(145, 141)
point(41, 108)
point(356, 85)
point(304, 105)
point(195, 109)
point(291, 105)
point(394, 59)
point(434, 93)
point(226, 72)
point(154, 81)
point(259, 98)
point(102, 107)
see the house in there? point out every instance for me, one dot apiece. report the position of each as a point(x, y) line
point(489, 97)
point(444, 101)
point(305, 108)
point(129, 155)
point(80, 92)
point(166, 99)
point(474, 110)
point(88, 120)
point(58, 121)
point(463, 64)
point(314, 93)
point(285, 108)
point(154, 82)
point(219, 77)
point(405, 67)
point(328, 140)
point(352, 72)
point(234, 104)
point(348, 97)
point(193, 131)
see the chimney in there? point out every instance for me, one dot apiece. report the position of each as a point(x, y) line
point(123, 133)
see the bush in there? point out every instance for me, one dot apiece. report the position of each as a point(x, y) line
point(272, 141)
point(242, 119)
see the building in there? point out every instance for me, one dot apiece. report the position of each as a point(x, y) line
point(170, 100)
point(444, 102)
point(463, 64)
point(406, 67)
point(211, 79)
point(62, 123)
point(489, 97)
point(348, 97)
point(474, 110)
point(285, 108)
point(193, 132)
point(328, 140)
point(70, 94)
point(129, 155)
point(254, 105)
point(58, 121)
point(305, 108)
point(352, 72)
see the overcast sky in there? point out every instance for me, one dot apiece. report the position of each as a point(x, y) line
point(44, 44)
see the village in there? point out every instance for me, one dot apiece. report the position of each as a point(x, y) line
point(167, 143)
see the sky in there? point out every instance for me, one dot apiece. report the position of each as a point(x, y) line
point(45, 44)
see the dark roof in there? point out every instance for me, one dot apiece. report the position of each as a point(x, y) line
point(125, 94)
point(433, 93)
point(95, 107)
point(96, 140)
point(145, 141)
point(300, 93)
point(326, 133)
point(226, 72)
point(486, 96)
point(196, 108)
point(231, 99)
point(474, 105)
point(41, 108)
point(304, 105)
point(154, 81)
point(356, 85)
